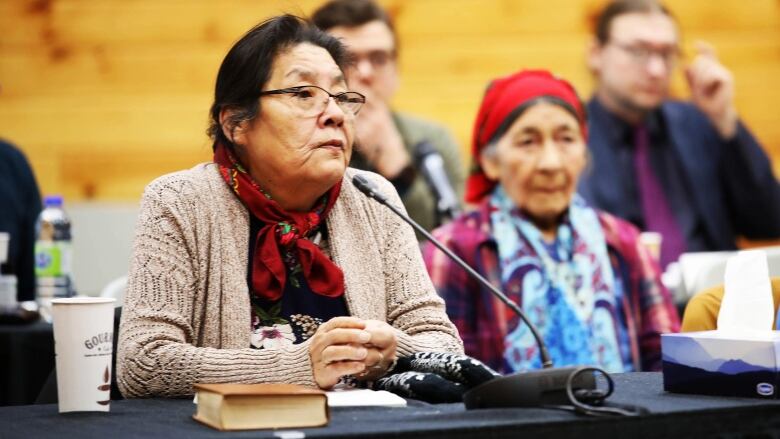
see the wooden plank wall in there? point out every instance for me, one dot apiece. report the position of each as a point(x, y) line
point(105, 95)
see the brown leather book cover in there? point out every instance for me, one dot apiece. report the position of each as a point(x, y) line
point(260, 406)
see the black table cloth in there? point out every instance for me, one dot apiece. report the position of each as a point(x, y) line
point(672, 415)
point(26, 360)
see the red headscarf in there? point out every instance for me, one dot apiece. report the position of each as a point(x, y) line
point(282, 231)
point(502, 97)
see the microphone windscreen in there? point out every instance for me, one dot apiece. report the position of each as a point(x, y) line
point(424, 149)
point(368, 188)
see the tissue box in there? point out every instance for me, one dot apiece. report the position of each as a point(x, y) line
point(715, 363)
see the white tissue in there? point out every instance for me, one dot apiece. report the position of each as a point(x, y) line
point(747, 305)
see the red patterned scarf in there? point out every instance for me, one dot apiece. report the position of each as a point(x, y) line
point(282, 231)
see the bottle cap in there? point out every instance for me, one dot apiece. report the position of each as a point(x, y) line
point(52, 201)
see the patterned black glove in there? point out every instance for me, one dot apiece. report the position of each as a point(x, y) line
point(435, 377)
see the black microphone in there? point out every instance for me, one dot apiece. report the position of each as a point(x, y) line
point(544, 387)
point(431, 165)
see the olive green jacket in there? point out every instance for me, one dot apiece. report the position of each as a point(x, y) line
point(418, 198)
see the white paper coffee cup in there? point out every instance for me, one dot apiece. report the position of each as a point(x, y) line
point(83, 344)
point(7, 290)
point(5, 238)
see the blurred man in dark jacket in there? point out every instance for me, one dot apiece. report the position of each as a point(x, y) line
point(689, 170)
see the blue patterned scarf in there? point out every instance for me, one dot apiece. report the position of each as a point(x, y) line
point(566, 287)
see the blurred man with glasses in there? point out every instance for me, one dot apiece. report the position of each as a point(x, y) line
point(688, 170)
point(387, 141)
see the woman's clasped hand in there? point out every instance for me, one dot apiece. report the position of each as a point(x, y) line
point(351, 346)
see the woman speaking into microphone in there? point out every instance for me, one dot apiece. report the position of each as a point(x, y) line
point(267, 265)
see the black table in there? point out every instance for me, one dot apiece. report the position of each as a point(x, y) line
point(26, 359)
point(673, 415)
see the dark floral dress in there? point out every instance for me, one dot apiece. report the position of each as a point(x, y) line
point(296, 316)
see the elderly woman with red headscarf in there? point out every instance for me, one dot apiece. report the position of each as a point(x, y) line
point(579, 274)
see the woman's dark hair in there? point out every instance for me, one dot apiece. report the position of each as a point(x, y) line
point(247, 68)
point(522, 108)
point(620, 7)
point(352, 13)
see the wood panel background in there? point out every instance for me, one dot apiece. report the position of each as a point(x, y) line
point(105, 95)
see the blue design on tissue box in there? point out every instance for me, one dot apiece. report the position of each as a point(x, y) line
point(689, 367)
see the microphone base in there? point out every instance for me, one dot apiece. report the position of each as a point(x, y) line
point(528, 389)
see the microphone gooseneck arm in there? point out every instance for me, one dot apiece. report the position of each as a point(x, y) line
point(371, 191)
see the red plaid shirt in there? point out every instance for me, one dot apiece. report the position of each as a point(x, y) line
point(483, 320)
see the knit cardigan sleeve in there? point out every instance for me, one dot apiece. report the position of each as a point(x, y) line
point(161, 351)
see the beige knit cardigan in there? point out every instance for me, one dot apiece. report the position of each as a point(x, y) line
point(186, 316)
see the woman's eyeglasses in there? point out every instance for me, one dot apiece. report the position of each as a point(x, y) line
point(313, 100)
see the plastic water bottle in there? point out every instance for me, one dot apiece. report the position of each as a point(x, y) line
point(53, 254)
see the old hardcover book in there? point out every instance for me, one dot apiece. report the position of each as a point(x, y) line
point(256, 406)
